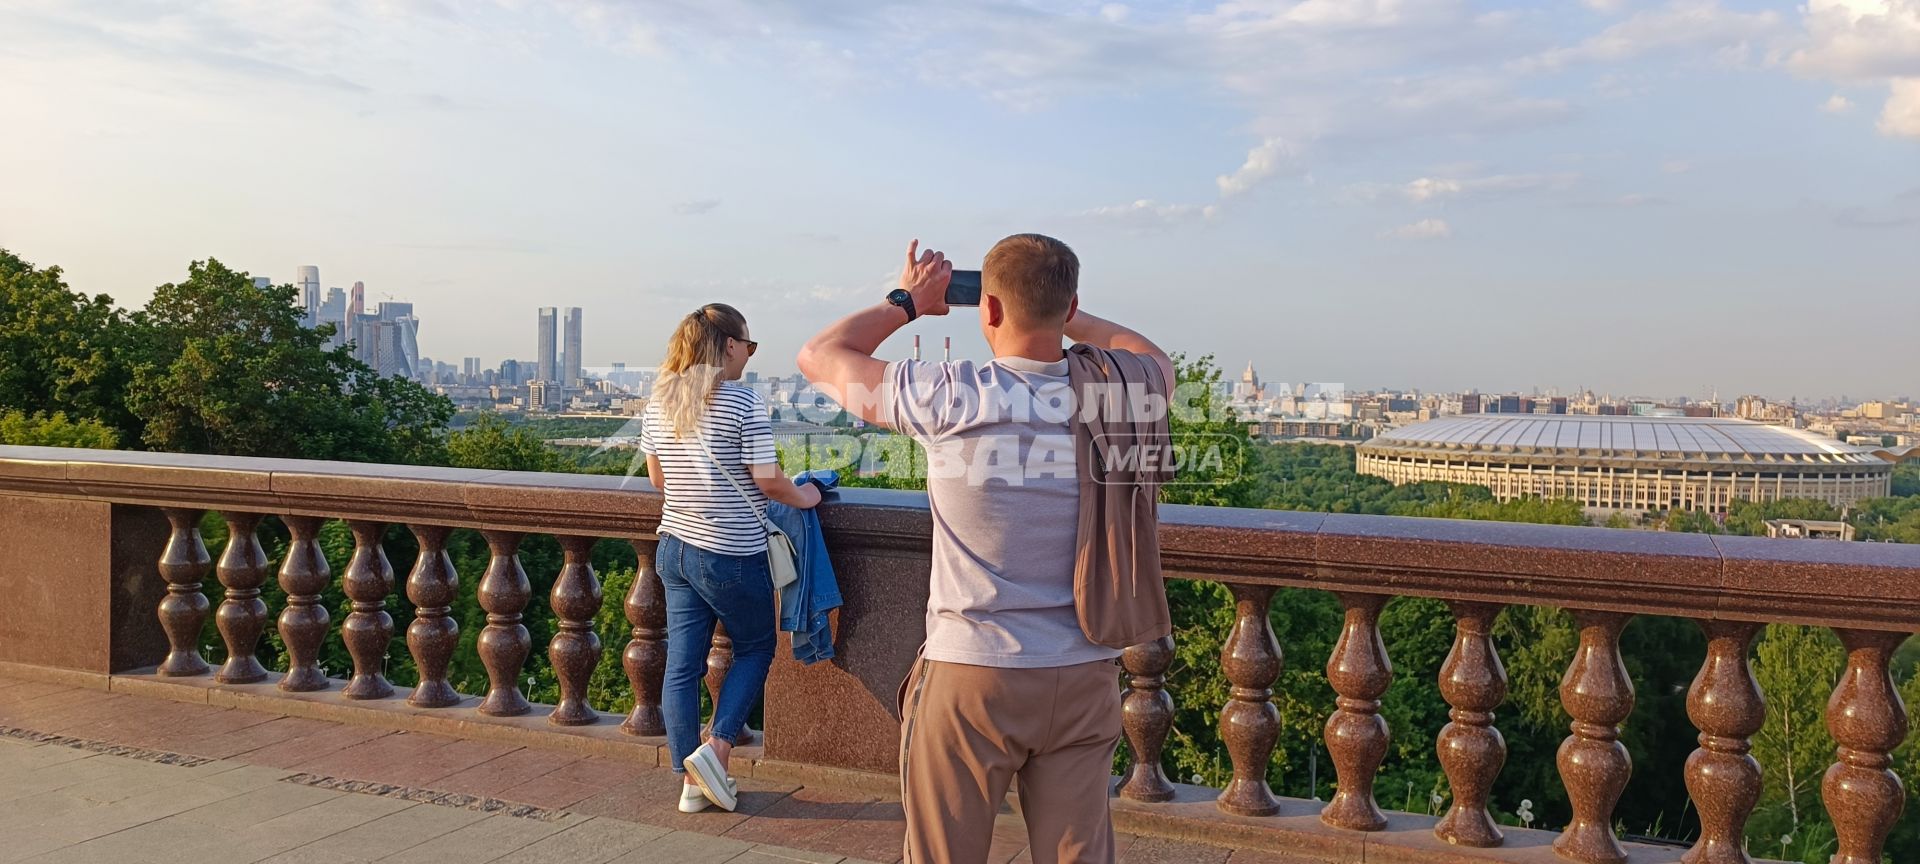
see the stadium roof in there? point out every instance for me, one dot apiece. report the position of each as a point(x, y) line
point(1655, 437)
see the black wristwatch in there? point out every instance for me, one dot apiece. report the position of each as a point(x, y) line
point(899, 297)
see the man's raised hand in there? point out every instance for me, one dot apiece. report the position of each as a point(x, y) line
point(926, 277)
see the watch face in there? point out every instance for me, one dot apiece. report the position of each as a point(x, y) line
point(898, 296)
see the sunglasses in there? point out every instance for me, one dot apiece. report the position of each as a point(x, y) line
point(752, 346)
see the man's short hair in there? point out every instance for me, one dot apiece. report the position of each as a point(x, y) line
point(1036, 277)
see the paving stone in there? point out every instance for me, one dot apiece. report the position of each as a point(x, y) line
point(1155, 850)
point(228, 743)
point(653, 797)
point(770, 854)
point(310, 855)
point(259, 805)
point(802, 819)
point(377, 758)
point(686, 847)
point(573, 783)
point(503, 772)
point(877, 832)
point(428, 766)
point(398, 832)
point(591, 841)
point(489, 839)
point(288, 833)
point(307, 748)
point(163, 841)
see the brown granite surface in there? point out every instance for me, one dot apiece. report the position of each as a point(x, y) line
point(816, 819)
point(78, 586)
point(1697, 576)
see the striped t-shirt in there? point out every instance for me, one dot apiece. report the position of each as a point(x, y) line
point(702, 508)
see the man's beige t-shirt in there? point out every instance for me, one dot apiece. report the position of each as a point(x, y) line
point(1006, 508)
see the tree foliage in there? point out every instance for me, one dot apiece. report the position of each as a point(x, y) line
point(54, 430)
point(226, 367)
point(61, 351)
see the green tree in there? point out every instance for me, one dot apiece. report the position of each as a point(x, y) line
point(54, 430)
point(226, 367)
point(61, 351)
point(1797, 668)
point(493, 443)
point(1906, 478)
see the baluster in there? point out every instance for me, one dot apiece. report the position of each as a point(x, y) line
point(1726, 705)
point(303, 624)
point(645, 659)
point(184, 609)
point(719, 663)
point(242, 616)
point(1356, 733)
point(1249, 724)
point(1594, 765)
point(1867, 720)
point(504, 643)
point(368, 629)
point(575, 649)
point(1472, 751)
point(434, 634)
point(1146, 712)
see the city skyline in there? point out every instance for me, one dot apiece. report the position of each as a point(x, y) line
point(1659, 195)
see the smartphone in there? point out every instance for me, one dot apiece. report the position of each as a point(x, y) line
point(964, 289)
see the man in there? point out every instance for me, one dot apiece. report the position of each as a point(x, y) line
point(1007, 683)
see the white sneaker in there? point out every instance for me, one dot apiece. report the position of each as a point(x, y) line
point(704, 768)
point(692, 800)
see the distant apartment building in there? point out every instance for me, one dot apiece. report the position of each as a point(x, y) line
point(307, 279)
point(572, 366)
point(547, 337)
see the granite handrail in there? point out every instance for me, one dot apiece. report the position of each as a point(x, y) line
point(839, 715)
point(1874, 585)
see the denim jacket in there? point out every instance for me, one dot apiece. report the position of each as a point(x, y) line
point(805, 602)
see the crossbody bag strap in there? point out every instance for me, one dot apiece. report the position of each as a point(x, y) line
point(757, 511)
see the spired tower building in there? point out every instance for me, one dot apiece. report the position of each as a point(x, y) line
point(307, 276)
point(1248, 390)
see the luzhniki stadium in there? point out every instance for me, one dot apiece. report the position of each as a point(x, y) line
point(1629, 463)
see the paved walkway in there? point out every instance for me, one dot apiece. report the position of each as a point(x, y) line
point(88, 776)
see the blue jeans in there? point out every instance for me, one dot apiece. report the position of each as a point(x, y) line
point(703, 587)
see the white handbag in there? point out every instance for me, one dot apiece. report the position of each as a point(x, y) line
point(782, 558)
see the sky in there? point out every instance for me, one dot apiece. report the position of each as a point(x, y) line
point(1657, 197)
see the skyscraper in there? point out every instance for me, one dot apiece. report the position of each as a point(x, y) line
point(357, 303)
point(307, 277)
point(572, 365)
point(547, 362)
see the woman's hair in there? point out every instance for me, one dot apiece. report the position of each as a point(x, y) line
point(696, 357)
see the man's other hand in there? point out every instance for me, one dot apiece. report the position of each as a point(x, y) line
point(926, 277)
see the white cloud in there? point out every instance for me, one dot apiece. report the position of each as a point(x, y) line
point(1837, 104)
point(1149, 214)
point(1901, 115)
point(1114, 12)
point(1860, 40)
point(1607, 7)
point(1263, 161)
point(696, 208)
point(1446, 189)
point(1695, 27)
point(1864, 42)
point(1676, 166)
point(1425, 229)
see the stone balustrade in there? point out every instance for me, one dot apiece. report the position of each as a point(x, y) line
point(102, 568)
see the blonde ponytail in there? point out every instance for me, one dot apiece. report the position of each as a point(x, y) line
point(696, 358)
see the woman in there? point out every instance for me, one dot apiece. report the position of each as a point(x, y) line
point(712, 557)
